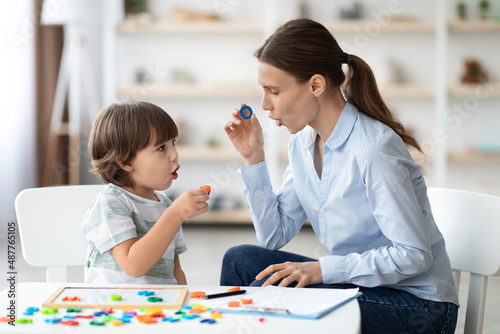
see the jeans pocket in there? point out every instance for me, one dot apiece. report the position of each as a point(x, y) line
point(451, 324)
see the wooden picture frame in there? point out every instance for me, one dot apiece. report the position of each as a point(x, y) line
point(99, 297)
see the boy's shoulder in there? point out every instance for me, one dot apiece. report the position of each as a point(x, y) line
point(113, 190)
point(110, 201)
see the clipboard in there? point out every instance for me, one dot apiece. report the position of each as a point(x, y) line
point(305, 303)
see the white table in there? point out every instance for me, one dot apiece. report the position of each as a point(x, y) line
point(346, 319)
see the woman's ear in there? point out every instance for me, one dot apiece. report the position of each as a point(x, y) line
point(317, 84)
point(126, 167)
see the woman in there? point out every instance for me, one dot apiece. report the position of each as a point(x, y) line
point(351, 175)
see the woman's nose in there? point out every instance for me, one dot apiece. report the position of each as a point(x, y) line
point(266, 104)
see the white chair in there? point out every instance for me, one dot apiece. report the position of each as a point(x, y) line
point(470, 224)
point(49, 220)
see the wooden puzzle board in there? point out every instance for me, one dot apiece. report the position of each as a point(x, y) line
point(98, 297)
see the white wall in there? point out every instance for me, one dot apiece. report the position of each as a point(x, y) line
point(17, 122)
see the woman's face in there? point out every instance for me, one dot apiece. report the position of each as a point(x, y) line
point(289, 103)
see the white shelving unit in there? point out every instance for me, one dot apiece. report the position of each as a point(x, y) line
point(434, 92)
point(471, 166)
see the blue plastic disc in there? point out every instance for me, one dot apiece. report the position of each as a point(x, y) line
point(242, 113)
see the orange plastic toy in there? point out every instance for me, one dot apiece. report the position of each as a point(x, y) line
point(146, 319)
point(246, 301)
point(207, 188)
point(198, 294)
point(70, 299)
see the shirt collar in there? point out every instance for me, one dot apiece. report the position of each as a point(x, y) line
point(341, 132)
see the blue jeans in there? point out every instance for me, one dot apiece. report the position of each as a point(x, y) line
point(383, 310)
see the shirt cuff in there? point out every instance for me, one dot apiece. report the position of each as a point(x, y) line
point(333, 269)
point(255, 176)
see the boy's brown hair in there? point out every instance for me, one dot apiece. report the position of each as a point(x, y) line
point(120, 131)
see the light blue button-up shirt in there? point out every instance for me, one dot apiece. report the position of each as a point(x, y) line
point(369, 210)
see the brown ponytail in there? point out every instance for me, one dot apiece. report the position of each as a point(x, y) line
point(361, 90)
point(304, 48)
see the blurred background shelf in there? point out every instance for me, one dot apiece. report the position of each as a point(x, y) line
point(238, 216)
point(191, 27)
point(182, 91)
point(395, 26)
point(249, 90)
point(407, 91)
point(487, 89)
point(250, 27)
point(474, 26)
point(464, 156)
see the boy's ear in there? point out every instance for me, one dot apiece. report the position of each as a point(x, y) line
point(317, 84)
point(126, 167)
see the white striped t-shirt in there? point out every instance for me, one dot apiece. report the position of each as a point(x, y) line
point(115, 216)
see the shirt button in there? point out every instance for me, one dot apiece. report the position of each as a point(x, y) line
point(322, 211)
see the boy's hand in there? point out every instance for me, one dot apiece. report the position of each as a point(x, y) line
point(191, 203)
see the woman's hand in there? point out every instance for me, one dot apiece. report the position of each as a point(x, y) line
point(246, 136)
point(304, 273)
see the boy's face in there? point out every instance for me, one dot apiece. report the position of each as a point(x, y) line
point(153, 168)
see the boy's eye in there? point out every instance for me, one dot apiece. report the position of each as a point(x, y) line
point(161, 148)
point(173, 142)
point(273, 92)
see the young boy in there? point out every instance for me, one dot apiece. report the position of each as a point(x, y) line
point(134, 230)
